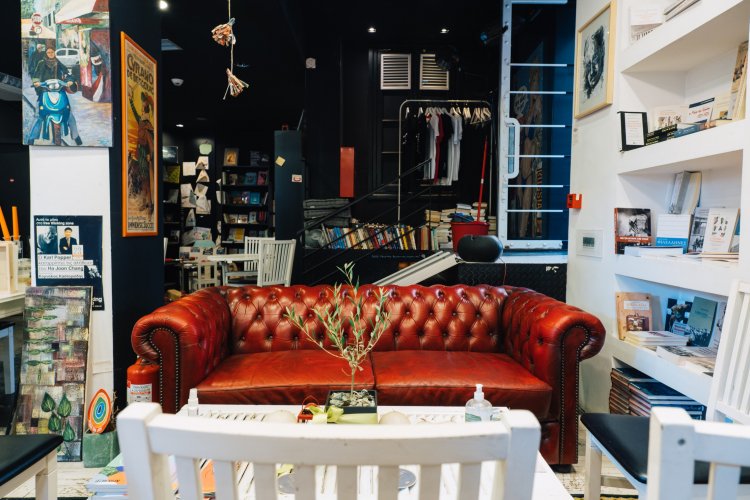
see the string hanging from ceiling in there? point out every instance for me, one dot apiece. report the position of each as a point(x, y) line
point(223, 34)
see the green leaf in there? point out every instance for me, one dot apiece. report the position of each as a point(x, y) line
point(54, 424)
point(48, 404)
point(68, 434)
point(64, 408)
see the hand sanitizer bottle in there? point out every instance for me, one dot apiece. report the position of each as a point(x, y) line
point(192, 403)
point(478, 409)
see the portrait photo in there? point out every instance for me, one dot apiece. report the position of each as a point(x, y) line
point(594, 63)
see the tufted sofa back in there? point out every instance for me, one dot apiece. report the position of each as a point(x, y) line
point(445, 318)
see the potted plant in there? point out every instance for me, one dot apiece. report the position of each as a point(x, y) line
point(351, 333)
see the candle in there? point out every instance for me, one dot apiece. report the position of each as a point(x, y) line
point(4, 226)
point(15, 223)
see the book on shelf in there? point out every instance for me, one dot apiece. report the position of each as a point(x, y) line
point(682, 354)
point(698, 230)
point(700, 111)
point(619, 394)
point(677, 8)
point(738, 87)
point(687, 129)
point(653, 251)
point(673, 230)
point(656, 391)
point(721, 310)
point(632, 228)
point(720, 229)
point(263, 177)
point(701, 321)
point(685, 192)
point(655, 338)
point(666, 118)
point(251, 178)
point(644, 20)
point(677, 316)
point(633, 312)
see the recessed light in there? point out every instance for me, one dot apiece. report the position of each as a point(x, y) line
point(371, 29)
point(179, 125)
point(444, 31)
point(163, 5)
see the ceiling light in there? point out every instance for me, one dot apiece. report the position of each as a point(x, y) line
point(371, 29)
point(444, 31)
point(179, 125)
point(163, 5)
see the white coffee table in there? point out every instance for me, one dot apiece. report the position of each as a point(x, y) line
point(546, 484)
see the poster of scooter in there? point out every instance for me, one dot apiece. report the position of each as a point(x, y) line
point(67, 89)
point(69, 252)
point(139, 148)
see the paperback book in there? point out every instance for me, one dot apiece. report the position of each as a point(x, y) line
point(632, 228)
point(633, 312)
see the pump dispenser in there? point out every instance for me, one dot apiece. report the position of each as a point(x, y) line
point(478, 409)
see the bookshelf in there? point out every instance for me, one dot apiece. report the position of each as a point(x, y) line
point(687, 59)
point(246, 199)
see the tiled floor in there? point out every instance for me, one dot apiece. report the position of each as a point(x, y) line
point(72, 478)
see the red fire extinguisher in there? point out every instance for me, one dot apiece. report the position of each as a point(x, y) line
point(143, 382)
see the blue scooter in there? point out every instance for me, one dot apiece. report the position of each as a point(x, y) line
point(54, 110)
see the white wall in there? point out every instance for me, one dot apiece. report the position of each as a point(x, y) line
point(591, 283)
point(75, 181)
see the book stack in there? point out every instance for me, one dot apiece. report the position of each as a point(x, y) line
point(318, 208)
point(646, 395)
point(619, 394)
point(702, 359)
point(661, 134)
point(654, 338)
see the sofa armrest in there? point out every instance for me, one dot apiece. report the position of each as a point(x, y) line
point(187, 339)
point(549, 338)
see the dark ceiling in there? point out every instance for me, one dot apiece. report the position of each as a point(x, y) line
point(275, 37)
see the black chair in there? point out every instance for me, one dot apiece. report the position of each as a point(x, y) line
point(25, 456)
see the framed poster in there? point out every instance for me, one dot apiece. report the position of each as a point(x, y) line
point(594, 61)
point(68, 252)
point(66, 73)
point(139, 147)
point(231, 157)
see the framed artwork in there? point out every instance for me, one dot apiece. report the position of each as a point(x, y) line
point(594, 61)
point(231, 156)
point(139, 141)
point(66, 73)
point(51, 395)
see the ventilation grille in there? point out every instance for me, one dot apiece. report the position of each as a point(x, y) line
point(395, 71)
point(431, 76)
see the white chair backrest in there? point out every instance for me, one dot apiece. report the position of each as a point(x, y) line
point(676, 441)
point(208, 274)
point(147, 436)
point(730, 388)
point(275, 262)
point(252, 246)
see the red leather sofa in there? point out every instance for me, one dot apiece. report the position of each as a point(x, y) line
point(236, 346)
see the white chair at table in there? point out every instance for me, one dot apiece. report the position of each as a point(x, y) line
point(275, 262)
point(677, 441)
point(147, 437)
point(248, 275)
point(207, 274)
point(624, 438)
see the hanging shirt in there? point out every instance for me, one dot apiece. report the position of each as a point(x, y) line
point(432, 148)
point(455, 163)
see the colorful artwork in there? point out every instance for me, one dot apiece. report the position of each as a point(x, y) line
point(139, 150)
point(53, 366)
point(67, 89)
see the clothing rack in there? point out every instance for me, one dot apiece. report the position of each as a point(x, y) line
point(436, 102)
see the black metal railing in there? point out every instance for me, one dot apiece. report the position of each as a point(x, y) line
point(382, 239)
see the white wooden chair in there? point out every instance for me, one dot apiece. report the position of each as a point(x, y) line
point(249, 272)
point(147, 436)
point(275, 262)
point(624, 438)
point(677, 441)
point(207, 274)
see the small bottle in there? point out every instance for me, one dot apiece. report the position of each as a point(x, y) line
point(478, 409)
point(192, 403)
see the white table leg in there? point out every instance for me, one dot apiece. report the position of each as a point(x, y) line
point(592, 488)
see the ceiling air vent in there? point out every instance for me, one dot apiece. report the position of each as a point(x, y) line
point(395, 71)
point(432, 76)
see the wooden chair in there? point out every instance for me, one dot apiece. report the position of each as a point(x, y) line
point(624, 438)
point(248, 275)
point(207, 274)
point(275, 262)
point(29, 456)
point(677, 442)
point(147, 436)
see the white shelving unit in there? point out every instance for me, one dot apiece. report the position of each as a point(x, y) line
point(689, 58)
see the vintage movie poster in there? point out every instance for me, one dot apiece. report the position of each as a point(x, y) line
point(66, 73)
point(69, 252)
point(139, 148)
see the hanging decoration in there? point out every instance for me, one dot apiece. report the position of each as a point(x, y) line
point(223, 34)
